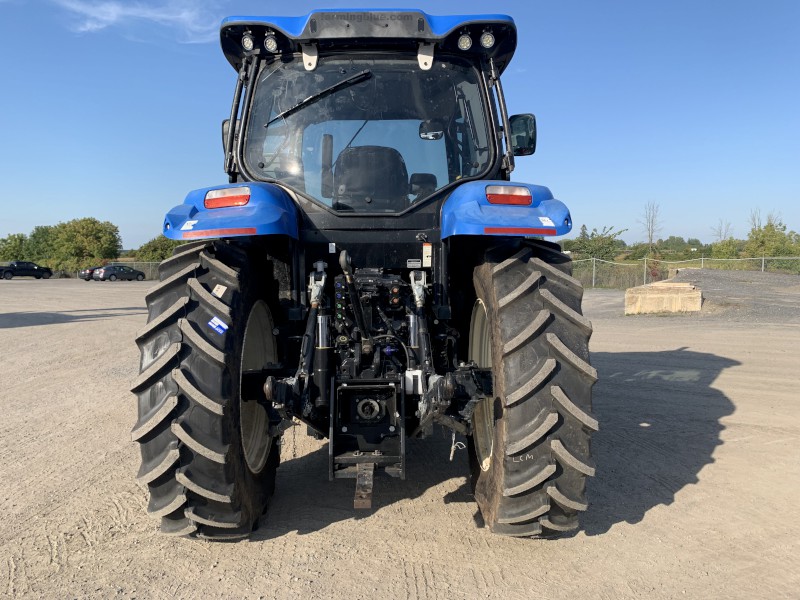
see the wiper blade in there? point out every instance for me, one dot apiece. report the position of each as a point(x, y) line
point(346, 82)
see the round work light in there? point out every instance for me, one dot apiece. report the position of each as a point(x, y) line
point(271, 43)
point(487, 39)
point(464, 42)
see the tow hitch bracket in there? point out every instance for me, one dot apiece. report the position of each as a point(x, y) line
point(364, 481)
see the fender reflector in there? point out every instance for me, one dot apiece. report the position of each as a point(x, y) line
point(519, 230)
point(508, 194)
point(227, 197)
point(213, 233)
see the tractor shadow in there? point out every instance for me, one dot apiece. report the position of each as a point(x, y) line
point(659, 426)
point(35, 318)
point(305, 501)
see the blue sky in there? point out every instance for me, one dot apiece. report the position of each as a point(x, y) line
point(112, 109)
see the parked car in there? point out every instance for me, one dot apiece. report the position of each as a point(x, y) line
point(87, 273)
point(23, 268)
point(114, 272)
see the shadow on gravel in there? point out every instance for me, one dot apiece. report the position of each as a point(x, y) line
point(305, 501)
point(659, 426)
point(32, 319)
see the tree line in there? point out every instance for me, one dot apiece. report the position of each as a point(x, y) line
point(768, 237)
point(78, 244)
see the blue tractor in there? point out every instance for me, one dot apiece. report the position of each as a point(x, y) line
point(370, 270)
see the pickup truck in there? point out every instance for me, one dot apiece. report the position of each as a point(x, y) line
point(23, 268)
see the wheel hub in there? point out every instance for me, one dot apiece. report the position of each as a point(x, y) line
point(258, 350)
point(480, 351)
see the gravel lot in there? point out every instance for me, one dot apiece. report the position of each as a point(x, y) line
point(698, 470)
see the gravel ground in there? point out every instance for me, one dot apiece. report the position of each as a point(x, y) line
point(748, 296)
point(732, 296)
point(698, 471)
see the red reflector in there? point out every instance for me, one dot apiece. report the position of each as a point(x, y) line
point(209, 233)
point(521, 230)
point(227, 201)
point(227, 197)
point(508, 194)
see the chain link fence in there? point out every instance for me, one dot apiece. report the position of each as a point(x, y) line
point(150, 269)
point(594, 272)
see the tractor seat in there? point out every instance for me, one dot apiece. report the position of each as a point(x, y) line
point(370, 179)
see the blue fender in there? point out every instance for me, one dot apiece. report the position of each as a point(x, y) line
point(270, 211)
point(468, 212)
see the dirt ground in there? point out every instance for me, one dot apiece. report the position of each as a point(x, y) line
point(698, 471)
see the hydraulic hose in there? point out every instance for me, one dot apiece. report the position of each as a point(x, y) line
point(355, 302)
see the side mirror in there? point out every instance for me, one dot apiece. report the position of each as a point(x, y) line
point(431, 129)
point(523, 134)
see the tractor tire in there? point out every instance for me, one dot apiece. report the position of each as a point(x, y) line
point(530, 449)
point(207, 458)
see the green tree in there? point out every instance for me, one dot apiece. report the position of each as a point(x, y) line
point(83, 241)
point(158, 249)
point(673, 244)
point(770, 238)
point(13, 247)
point(694, 243)
point(597, 244)
point(40, 245)
point(728, 248)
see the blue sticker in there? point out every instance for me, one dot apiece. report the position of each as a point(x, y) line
point(218, 325)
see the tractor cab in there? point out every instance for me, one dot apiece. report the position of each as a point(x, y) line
point(362, 112)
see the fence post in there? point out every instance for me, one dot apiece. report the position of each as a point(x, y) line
point(594, 262)
point(702, 262)
point(762, 264)
point(644, 279)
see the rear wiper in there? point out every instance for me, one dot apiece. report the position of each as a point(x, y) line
point(346, 82)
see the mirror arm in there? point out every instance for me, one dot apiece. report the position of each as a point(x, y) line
point(508, 157)
point(237, 96)
point(249, 88)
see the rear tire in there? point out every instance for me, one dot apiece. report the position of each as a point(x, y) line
point(112, 277)
point(530, 450)
point(206, 457)
point(7, 275)
point(46, 275)
point(140, 277)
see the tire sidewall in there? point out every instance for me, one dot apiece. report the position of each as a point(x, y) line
point(488, 484)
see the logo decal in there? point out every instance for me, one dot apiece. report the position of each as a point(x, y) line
point(218, 325)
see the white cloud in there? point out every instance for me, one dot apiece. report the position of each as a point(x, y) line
point(193, 21)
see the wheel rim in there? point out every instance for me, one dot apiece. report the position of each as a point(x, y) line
point(480, 351)
point(258, 350)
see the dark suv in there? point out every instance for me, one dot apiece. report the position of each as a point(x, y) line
point(23, 268)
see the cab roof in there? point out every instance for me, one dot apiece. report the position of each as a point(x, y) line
point(356, 29)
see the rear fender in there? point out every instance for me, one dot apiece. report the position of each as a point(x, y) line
point(270, 211)
point(468, 212)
